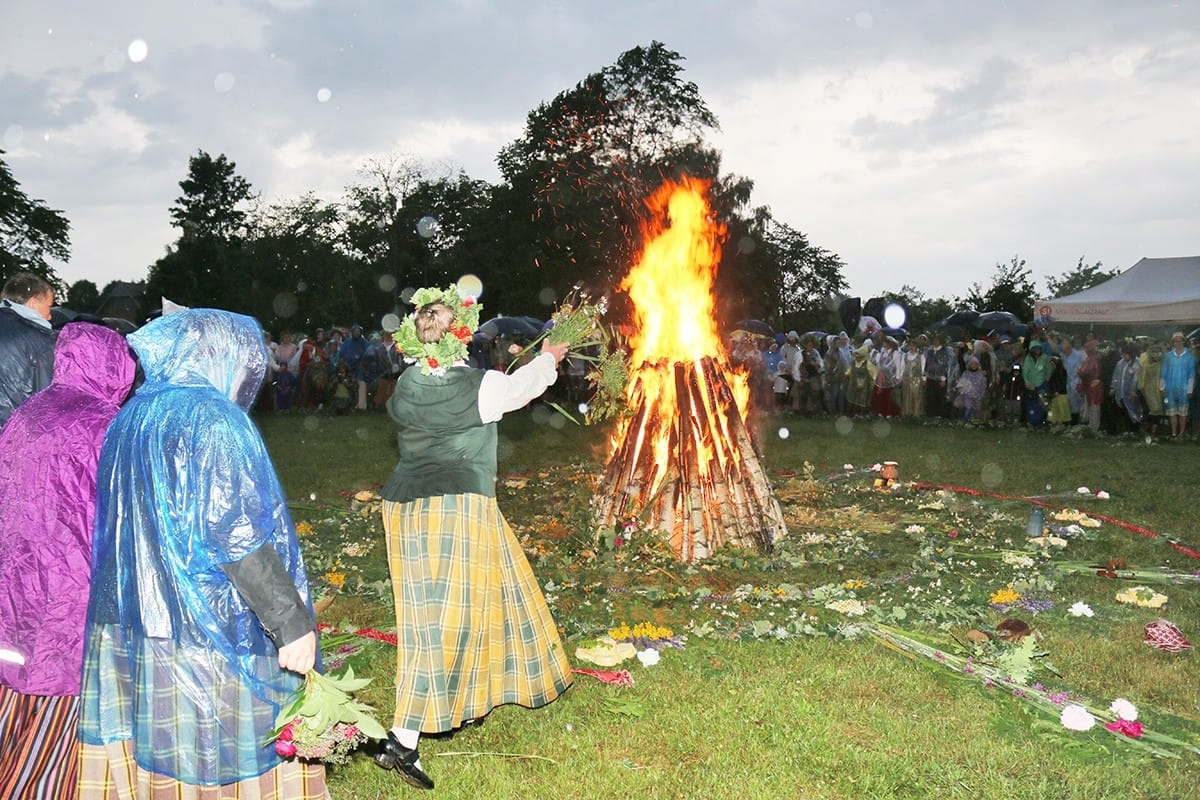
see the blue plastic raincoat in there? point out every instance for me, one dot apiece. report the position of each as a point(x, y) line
point(175, 660)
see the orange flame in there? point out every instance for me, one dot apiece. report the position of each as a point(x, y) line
point(672, 291)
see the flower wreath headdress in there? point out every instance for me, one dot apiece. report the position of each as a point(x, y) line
point(435, 357)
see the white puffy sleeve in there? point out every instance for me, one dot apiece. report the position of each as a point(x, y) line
point(501, 392)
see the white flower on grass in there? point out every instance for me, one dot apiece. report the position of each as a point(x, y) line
point(1084, 490)
point(847, 466)
point(915, 529)
point(1081, 609)
point(1124, 709)
point(1102, 495)
point(1076, 718)
point(649, 657)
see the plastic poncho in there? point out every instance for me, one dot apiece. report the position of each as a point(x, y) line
point(48, 453)
point(185, 485)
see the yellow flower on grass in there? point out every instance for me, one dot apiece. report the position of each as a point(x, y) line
point(304, 529)
point(1005, 595)
point(1142, 596)
point(334, 578)
point(853, 585)
point(643, 630)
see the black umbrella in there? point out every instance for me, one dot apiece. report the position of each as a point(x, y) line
point(959, 319)
point(1001, 322)
point(511, 326)
point(756, 327)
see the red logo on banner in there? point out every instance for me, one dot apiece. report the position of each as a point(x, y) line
point(1044, 311)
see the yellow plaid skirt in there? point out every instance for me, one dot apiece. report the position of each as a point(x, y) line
point(472, 626)
point(109, 772)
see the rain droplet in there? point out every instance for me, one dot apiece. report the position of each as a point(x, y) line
point(311, 422)
point(13, 135)
point(469, 286)
point(390, 322)
point(323, 95)
point(362, 433)
point(583, 408)
point(881, 428)
point(843, 425)
point(138, 50)
point(784, 433)
point(284, 304)
point(223, 82)
point(864, 20)
point(547, 296)
point(114, 61)
point(387, 283)
point(301, 286)
point(312, 496)
point(1122, 66)
point(991, 475)
point(558, 422)
point(427, 227)
point(746, 245)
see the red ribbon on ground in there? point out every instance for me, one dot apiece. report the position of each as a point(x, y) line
point(612, 677)
point(1183, 548)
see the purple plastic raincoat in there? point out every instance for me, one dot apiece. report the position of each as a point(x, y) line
point(48, 453)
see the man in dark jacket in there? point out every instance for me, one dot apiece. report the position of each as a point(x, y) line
point(26, 340)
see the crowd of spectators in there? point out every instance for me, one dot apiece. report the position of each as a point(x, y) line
point(343, 369)
point(1139, 385)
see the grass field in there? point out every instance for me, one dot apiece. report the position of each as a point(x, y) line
point(781, 690)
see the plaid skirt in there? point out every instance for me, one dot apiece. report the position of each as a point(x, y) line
point(109, 772)
point(473, 628)
point(39, 756)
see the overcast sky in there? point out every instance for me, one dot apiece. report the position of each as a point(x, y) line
point(924, 142)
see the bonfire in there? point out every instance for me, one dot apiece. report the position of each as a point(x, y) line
point(682, 461)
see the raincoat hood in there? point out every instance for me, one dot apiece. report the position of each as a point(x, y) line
point(95, 360)
point(205, 346)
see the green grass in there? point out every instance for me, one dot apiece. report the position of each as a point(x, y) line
point(738, 713)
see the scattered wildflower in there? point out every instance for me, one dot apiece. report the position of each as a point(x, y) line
point(953, 533)
point(851, 608)
point(1049, 541)
point(1018, 560)
point(1124, 709)
point(1102, 495)
point(304, 529)
point(915, 529)
point(1076, 718)
point(649, 657)
point(1083, 490)
point(1142, 596)
point(1002, 596)
point(1081, 609)
point(1126, 727)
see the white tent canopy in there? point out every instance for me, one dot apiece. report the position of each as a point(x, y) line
point(1152, 290)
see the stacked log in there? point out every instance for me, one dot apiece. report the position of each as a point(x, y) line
point(687, 465)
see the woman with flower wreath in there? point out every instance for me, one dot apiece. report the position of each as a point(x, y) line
point(473, 628)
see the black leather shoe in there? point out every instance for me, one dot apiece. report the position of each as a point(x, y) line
point(393, 755)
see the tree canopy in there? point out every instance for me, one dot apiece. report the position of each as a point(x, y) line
point(31, 233)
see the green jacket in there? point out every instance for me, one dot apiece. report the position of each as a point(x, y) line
point(445, 447)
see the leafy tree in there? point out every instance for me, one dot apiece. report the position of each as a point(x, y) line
point(806, 278)
point(1012, 290)
point(30, 232)
point(589, 157)
point(1083, 276)
point(299, 270)
point(211, 204)
point(207, 266)
point(83, 296)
